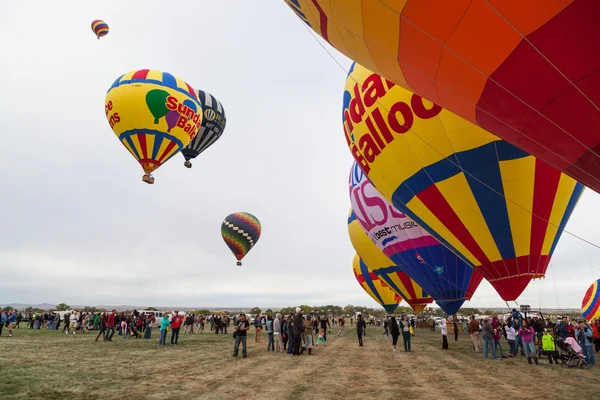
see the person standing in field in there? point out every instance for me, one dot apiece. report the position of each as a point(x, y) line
point(308, 336)
point(325, 324)
point(395, 331)
point(150, 320)
point(444, 329)
point(487, 335)
point(511, 334)
point(270, 339)
point(277, 333)
point(360, 328)
point(341, 323)
point(455, 327)
point(526, 332)
point(298, 327)
point(73, 322)
point(241, 331)
point(165, 323)
point(405, 328)
point(110, 325)
point(290, 334)
point(475, 335)
point(12, 320)
point(175, 326)
point(257, 328)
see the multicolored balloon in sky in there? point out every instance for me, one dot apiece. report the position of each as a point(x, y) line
point(100, 28)
point(375, 287)
point(385, 269)
point(499, 208)
point(240, 231)
point(527, 71)
point(211, 129)
point(590, 306)
point(154, 114)
point(445, 277)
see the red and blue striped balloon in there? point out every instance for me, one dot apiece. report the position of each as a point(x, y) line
point(100, 28)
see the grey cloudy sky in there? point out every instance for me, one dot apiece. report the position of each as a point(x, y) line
point(79, 226)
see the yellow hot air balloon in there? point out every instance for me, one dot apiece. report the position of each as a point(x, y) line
point(381, 266)
point(498, 207)
point(375, 287)
point(527, 71)
point(154, 114)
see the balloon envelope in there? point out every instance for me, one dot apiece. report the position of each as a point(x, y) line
point(240, 231)
point(384, 268)
point(526, 71)
point(498, 207)
point(136, 107)
point(590, 306)
point(445, 277)
point(374, 286)
point(211, 129)
point(100, 28)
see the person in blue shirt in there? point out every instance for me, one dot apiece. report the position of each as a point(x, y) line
point(12, 320)
point(2, 321)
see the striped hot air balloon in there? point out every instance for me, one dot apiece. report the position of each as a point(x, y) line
point(100, 28)
point(154, 114)
point(374, 286)
point(240, 231)
point(211, 129)
point(590, 306)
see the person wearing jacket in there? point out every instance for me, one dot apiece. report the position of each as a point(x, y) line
point(474, 332)
point(277, 336)
point(290, 334)
point(2, 321)
point(487, 335)
point(585, 338)
point(360, 328)
point(308, 336)
point(497, 335)
point(175, 326)
point(110, 326)
point(165, 323)
point(395, 331)
point(102, 327)
point(510, 338)
point(298, 327)
point(270, 340)
point(549, 347)
point(405, 329)
point(526, 332)
point(444, 329)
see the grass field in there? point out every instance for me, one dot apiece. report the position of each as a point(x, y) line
point(50, 365)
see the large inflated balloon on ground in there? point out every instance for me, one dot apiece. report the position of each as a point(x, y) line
point(590, 306)
point(498, 207)
point(385, 269)
point(447, 278)
point(375, 287)
point(100, 28)
point(527, 71)
point(211, 129)
point(240, 231)
point(154, 114)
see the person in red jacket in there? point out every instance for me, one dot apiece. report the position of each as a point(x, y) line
point(110, 325)
point(175, 325)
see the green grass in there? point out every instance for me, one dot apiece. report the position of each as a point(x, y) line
point(51, 365)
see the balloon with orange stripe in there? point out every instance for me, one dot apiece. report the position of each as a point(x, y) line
point(502, 210)
point(100, 28)
point(590, 306)
point(384, 268)
point(154, 114)
point(526, 70)
point(375, 287)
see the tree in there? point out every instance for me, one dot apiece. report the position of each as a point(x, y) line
point(152, 309)
point(62, 307)
point(269, 312)
point(202, 312)
point(7, 308)
point(469, 311)
point(255, 311)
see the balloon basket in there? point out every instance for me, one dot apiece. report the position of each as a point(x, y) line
point(239, 264)
point(149, 179)
point(187, 164)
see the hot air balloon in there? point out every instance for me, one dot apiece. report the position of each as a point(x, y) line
point(590, 306)
point(445, 277)
point(499, 208)
point(240, 232)
point(385, 269)
point(154, 114)
point(211, 129)
point(100, 28)
point(527, 71)
point(374, 287)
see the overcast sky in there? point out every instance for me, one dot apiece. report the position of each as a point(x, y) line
point(79, 226)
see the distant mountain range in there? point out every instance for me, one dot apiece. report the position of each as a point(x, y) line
point(48, 306)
